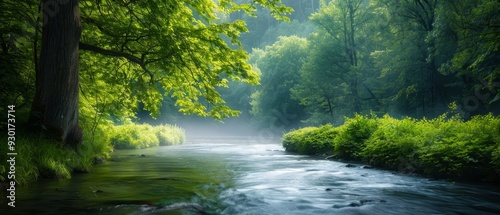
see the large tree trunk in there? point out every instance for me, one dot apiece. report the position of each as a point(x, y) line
point(55, 106)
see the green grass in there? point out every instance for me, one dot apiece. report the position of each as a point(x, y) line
point(137, 136)
point(38, 157)
point(442, 147)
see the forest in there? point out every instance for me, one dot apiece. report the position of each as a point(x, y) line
point(77, 73)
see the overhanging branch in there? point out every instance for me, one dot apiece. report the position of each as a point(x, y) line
point(129, 57)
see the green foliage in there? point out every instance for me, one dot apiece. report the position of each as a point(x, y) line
point(277, 8)
point(333, 76)
point(460, 147)
point(394, 144)
point(441, 147)
point(169, 135)
point(40, 158)
point(311, 140)
point(147, 50)
point(476, 38)
point(280, 65)
point(18, 42)
point(352, 136)
point(287, 29)
point(138, 136)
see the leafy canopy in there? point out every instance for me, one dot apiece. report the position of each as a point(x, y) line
point(182, 49)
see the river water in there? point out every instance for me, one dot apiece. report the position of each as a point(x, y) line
point(240, 175)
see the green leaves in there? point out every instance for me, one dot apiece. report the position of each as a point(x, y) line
point(280, 65)
point(440, 147)
point(472, 24)
point(276, 7)
point(171, 48)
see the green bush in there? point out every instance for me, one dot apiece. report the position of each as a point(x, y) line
point(352, 136)
point(38, 157)
point(460, 147)
point(441, 147)
point(138, 136)
point(310, 140)
point(170, 135)
point(134, 136)
point(394, 145)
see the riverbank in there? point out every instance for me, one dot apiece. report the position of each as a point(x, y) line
point(40, 158)
point(446, 148)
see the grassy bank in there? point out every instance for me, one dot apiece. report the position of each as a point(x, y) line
point(441, 148)
point(38, 157)
point(138, 136)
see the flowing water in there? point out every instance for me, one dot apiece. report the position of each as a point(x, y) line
point(238, 175)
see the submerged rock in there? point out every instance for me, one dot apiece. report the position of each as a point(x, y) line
point(350, 165)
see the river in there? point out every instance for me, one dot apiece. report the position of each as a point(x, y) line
point(240, 175)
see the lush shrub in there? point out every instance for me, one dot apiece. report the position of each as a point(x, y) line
point(38, 157)
point(98, 141)
point(394, 145)
point(292, 140)
point(137, 136)
point(460, 147)
point(311, 140)
point(352, 136)
point(441, 147)
point(170, 135)
point(134, 136)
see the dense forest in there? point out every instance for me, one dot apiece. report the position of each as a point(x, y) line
point(337, 58)
point(73, 69)
point(404, 58)
point(326, 60)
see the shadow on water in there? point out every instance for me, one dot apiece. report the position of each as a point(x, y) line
point(240, 175)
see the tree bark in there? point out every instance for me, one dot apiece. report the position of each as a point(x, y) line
point(55, 106)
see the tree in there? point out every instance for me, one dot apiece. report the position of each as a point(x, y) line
point(410, 57)
point(322, 88)
point(174, 48)
point(18, 49)
point(332, 75)
point(468, 33)
point(280, 65)
point(55, 105)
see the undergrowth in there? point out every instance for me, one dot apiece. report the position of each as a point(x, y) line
point(38, 157)
point(444, 147)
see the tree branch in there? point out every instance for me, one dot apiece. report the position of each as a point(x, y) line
point(129, 57)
